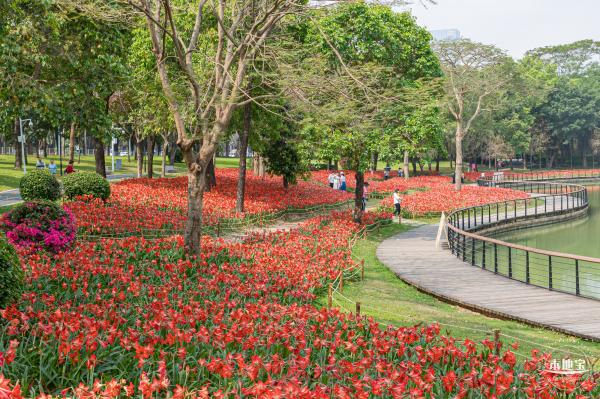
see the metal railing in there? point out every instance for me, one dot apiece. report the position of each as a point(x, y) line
point(572, 274)
point(541, 176)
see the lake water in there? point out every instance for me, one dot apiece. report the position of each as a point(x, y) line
point(580, 237)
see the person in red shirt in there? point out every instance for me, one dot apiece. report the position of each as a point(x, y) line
point(70, 168)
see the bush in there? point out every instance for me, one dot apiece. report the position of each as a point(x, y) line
point(39, 225)
point(86, 183)
point(39, 184)
point(11, 274)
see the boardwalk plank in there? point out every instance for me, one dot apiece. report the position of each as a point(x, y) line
point(413, 257)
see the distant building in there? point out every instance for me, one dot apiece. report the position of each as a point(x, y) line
point(445, 34)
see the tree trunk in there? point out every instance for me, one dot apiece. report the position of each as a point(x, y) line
point(414, 166)
point(550, 160)
point(150, 141)
point(459, 159)
point(163, 171)
point(261, 166)
point(72, 143)
point(139, 151)
point(211, 178)
point(405, 167)
point(193, 226)
point(173, 150)
point(524, 161)
point(286, 183)
point(255, 164)
point(375, 160)
point(99, 157)
point(241, 185)
point(18, 153)
point(437, 164)
point(358, 196)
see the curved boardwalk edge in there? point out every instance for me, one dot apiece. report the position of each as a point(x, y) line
point(412, 256)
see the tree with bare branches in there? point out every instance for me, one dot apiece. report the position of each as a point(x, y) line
point(212, 56)
point(473, 73)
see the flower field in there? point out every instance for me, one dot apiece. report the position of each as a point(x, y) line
point(377, 184)
point(160, 204)
point(136, 318)
point(443, 198)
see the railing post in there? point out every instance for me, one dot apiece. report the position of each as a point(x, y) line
point(509, 262)
point(472, 251)
point(577, 291)
point(505, 210)
point(464, 244)
point(483, 254)
point(469, 217)
point(550, 272)
point(515, 209)
point(527, 276)
point(495, 258)
point(462, 214)
point(525, 201)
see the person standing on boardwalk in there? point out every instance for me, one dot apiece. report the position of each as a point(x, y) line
point(397, 202)
point(342, 181)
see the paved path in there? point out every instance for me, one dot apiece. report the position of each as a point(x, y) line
point(10, 197)
point(413, 257)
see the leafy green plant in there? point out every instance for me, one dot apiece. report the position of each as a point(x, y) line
point(39, 184)
point(86, 183)
point(11, 274)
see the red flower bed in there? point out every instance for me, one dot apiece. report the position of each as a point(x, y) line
point(444, 198)
point(160, 204)
point(378, 185)
point(131, 317)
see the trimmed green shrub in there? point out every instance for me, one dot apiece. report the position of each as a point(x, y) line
point(86, 183)
point(39, 184)
point(11, 274)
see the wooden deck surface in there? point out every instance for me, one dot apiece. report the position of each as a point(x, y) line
point(413, 257)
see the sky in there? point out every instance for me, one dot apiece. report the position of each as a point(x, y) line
point(514, 25)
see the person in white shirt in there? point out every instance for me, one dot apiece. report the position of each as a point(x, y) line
point(330, 179)
point(336, 182)
point(397, 202)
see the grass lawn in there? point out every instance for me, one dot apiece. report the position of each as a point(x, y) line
point(9, 176)
point(391, 301)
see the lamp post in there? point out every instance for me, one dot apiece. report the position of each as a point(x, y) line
point(22, 140)
point(112, 146)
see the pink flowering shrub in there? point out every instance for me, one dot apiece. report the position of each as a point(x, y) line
point(39, 225)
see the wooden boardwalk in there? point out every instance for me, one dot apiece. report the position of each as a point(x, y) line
point(413, 257)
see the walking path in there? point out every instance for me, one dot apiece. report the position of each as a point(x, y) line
point(414, 258)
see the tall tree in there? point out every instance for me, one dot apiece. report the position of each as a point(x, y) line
point(367, 54)
point(473, 73)
point(214, 71)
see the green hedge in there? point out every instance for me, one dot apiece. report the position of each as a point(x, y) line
point(86, 183)
point(39, 184)
point(11, 274)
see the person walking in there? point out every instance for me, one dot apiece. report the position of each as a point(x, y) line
point(70, 168)
point(330, 179)
point(342, 181)
point(397, 203)
point(52, 168)
point(40, 164)
point(365, 196)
